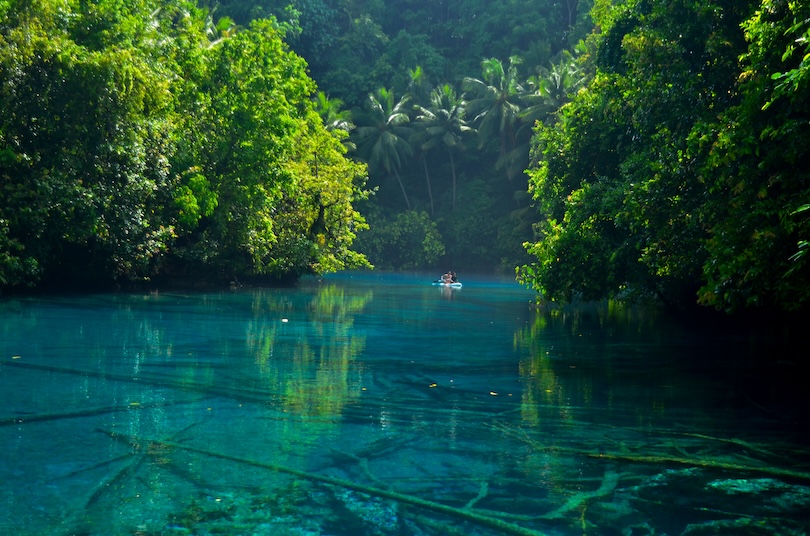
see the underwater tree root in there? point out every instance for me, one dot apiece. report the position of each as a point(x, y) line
point(466, 515)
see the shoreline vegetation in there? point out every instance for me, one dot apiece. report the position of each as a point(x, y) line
point(642, 151)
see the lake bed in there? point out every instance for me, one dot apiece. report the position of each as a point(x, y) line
point(378, 404)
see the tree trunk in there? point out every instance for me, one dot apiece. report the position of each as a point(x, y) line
point(430, 191)
point(453, 171)
point(402, 186)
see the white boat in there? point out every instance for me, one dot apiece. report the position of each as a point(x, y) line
point(440, 283)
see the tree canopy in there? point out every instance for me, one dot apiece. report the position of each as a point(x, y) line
point(627, 149)
point(142, 140)
point(675, 173)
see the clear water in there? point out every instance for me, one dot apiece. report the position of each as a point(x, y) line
point(377, 404)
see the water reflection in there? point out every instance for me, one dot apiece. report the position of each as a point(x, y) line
point(378, 406)
point(576, 360)
point(318, 375)
point(614, 384)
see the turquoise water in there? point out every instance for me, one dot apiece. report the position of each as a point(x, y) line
point(377, 404)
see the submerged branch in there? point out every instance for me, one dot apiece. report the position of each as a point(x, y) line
point(739, 442)
point(714, 464)
point(659, 458)
point(609, 482)
point(93, 467)
point(482, 493)
point(39, 417)
point(241, 394)
point(503, 526)
point(134, 459)
point(75, 522)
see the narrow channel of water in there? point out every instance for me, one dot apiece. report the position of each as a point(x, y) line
point(378, 404)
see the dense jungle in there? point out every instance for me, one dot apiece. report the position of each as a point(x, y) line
point(632, 149)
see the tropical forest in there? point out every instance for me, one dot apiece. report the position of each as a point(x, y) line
point(594, 149)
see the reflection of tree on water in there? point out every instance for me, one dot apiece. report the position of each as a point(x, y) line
point(306, 351)
point(570, 361)
point(193, 354)
point(229, 435)
point(610, 464)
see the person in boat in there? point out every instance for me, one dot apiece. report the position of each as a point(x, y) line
point(449, 277)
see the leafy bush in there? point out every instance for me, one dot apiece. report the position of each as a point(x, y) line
point(408, 241)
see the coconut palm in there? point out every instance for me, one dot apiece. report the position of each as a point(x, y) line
point(334, 117)
point(419, 87)
point(382, 135)
point(332, 112)
point(563, 79)
point(496, 103)
point(218, 29)
point(443, 124)
point(546, 92)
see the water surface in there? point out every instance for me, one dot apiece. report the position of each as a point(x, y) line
point(377, 404)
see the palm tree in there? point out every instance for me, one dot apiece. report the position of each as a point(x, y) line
point(382, 136)
point(497, 103)
point(334, 117)
point(564, 79)
point(219, 29)
point(443, 124)
point(330, 110)
point(546, 92)
point(419, 87)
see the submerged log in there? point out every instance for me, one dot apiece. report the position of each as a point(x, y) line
point(659, 458)
point(458, 513)
point(89, 412)
point(609, 482)
point(714, 464)
point(240, 394)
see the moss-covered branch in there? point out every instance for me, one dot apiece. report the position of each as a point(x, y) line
point(458, 513)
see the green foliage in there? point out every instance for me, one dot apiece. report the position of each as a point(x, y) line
point(315, 220)
point(351, 71)
point(410, 240)
point(677, 168)
point(411, 48)
point(86, 136)
point(471, 230)
point(612, 184)
point(143, 138)
point(249, 120)
point(382, 135)
point(753, 165)
point(194, 200)
point(795, 79)
point(146, 137)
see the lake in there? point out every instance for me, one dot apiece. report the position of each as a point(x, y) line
point(378, 404)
